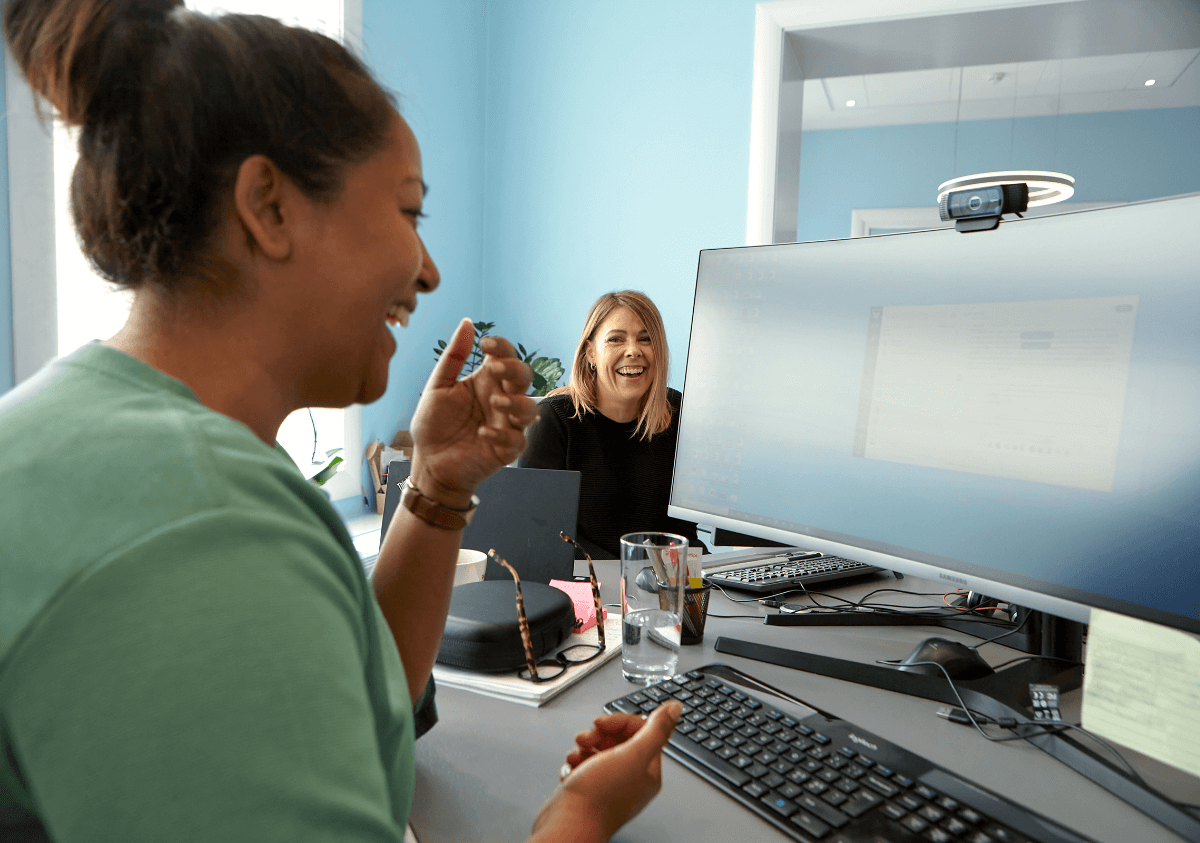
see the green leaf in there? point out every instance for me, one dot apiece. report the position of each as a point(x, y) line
point(322, 476)
point(441, 343)
point(333, 451)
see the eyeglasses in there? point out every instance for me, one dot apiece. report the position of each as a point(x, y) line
point(555, 666)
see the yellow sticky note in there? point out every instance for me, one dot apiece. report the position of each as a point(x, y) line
point(695, 580)
point(1141, 688)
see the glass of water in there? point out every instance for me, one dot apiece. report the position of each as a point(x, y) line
point(653, 579)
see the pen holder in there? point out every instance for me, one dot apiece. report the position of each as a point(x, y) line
point(695, 613)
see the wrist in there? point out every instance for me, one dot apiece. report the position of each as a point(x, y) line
point(433, 512)
point(567, 816)
point(449, 496)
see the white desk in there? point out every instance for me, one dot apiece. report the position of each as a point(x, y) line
point(484, 770)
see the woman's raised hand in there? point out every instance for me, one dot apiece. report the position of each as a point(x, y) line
point(465, 430)
point(616, 769)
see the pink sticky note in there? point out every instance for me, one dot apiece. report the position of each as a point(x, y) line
point(585, 602)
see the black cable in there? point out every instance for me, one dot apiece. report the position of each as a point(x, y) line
point(1047, 727)
point(1012, 631)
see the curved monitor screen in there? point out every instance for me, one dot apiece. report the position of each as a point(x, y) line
point(1013, 411)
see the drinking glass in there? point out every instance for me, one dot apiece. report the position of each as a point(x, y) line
point(653, 579)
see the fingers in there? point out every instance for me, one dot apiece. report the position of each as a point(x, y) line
point(656, 731)
point(453, 358)
point(611, 730)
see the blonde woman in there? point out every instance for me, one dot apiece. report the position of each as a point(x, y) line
point(616, 422)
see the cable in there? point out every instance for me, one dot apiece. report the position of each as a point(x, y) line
point(1047, 727)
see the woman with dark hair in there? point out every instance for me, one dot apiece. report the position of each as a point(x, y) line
point(616, 422)
point(189, 648)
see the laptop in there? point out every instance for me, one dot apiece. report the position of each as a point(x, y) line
point(521, 512)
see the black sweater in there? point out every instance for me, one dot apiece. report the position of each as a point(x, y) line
point(626, 481)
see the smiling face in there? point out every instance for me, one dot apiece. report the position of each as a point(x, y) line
point(623, 355)
point(365, 264)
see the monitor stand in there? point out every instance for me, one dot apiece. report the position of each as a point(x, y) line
point(1001, 695)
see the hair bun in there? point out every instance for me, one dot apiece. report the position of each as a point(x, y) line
point(73, 51)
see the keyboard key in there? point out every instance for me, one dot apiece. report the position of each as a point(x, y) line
point(789, 790)
point(824, 812)
point(894, 811)
point(627, 706)
point(754, 788)
point(756, 770)
point(861, 802)
point(772, 780)
point(937, 835)
point(955, 826)
point(931, 813)
point(834, 797)
point(883, 788)
point(909, 802)
point(727, 770)
point(914, 823)
point(781, 806)
point(926, 791)
point(809, 824)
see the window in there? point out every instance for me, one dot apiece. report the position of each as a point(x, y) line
point(52, 321)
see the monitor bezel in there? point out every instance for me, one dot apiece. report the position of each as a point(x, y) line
point(1053, 598)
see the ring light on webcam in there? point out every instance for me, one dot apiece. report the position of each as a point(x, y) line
point(1044, 188)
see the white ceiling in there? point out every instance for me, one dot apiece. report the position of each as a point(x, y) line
point(1000, 91)
point(1055, 58)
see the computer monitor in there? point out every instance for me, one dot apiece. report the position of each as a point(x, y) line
point(1012, 412)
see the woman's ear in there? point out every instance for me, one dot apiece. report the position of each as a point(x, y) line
point(262, 196)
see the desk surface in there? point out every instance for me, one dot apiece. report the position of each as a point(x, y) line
point(484, 770)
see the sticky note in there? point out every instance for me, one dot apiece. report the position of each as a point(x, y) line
point(585, 602)
point(1141, 688)
point(693, 567)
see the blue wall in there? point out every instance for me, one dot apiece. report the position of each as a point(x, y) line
point(618, 138)
point(1114, 156)
point(571, 149)
point(431, 55)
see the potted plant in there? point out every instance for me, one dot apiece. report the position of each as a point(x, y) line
point(547, 371)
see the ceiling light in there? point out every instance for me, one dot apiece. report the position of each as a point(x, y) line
point(849, 103)
point(1149, 82)
point(1044, 188)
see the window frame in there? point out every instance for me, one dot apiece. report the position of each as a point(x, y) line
point(32, 238)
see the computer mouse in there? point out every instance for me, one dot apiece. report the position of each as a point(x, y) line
point(959, 660)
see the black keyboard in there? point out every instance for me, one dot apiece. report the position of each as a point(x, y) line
point(782, 573)
point(819, 778)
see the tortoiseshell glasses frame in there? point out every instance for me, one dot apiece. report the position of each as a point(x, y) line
point(559, 662)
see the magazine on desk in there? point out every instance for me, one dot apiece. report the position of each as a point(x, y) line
point(510, 686)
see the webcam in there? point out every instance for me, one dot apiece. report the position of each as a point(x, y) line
point(980, 209)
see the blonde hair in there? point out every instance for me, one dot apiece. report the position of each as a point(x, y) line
point(654, 416)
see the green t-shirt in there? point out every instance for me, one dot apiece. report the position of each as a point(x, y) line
point(189, 649)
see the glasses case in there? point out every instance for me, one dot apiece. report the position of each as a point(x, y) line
point(482, 632)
